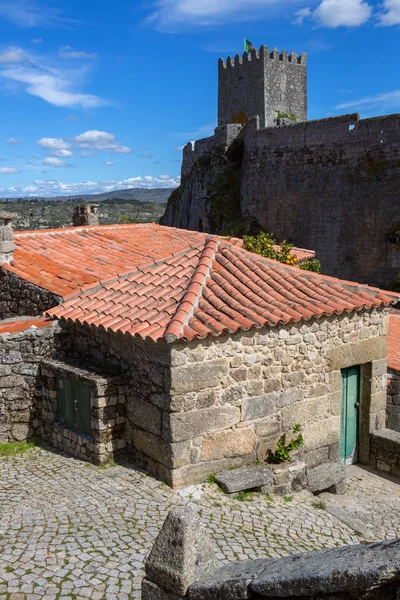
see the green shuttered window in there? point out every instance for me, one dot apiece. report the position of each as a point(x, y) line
point(74, 403)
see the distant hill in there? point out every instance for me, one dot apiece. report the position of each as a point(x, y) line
point(157, 195)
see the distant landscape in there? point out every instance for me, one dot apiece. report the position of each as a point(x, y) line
point(121, 206)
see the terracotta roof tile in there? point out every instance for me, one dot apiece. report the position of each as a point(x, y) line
point(212, 288)
point(22, 324)
point(394, 342)
point(64, 261)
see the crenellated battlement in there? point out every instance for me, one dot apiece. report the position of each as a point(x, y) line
point(263, 54)
point(262, 82)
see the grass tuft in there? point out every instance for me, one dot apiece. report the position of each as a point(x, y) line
point(14, 448)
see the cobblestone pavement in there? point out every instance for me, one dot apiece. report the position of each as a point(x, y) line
point(371, 499)
point(69, 530)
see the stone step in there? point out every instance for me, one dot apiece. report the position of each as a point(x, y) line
point(244, 478)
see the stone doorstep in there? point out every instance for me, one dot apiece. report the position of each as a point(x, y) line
point(244, 478)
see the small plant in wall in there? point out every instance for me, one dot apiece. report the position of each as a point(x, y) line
point(283, 451)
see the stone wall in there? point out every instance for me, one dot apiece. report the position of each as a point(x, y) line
point(393, 401)
point(108, 402)
point(20, 357)
point(19, 297)
point(316, 184)
point(385, 451)
point(182, 565)
point(233, 397)
point(144, 369)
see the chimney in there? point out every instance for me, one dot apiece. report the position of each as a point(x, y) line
point(7, 245)
point(85, 214)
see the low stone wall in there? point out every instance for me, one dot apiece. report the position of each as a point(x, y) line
point(393, 401)
point(182, 565)
point(19, 297)
point(20, 357)
point(108, 403)
point(385, 451)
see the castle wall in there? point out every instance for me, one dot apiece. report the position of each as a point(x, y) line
point(331, 185)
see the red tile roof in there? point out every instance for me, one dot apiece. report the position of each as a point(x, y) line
point(64, 261)
point(212, 288)
point(21, 324)
point(394, 341)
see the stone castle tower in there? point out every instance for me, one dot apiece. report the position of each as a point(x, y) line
point(262, 83)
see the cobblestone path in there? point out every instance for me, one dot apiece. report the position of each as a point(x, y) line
point(69, 530)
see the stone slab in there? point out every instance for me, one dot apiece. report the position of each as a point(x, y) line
point(351, 569)
point(325, 476)
point(244, 478)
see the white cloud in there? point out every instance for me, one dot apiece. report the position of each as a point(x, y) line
point(99, 140)
point(54, 89)
point(169, 14)
point(54, 162)
point(11, 56)
point(68, 52)
point(384, 102)
point(8, 170)
point(43, 79)
point(53, 144)
point(13, 142)
point(342, 13)
point(37, 41)
point(28, 13)
point(108, 163)
point(87, 154)
point(179, 148)
point(391, 16)
point(57, 188)
point(72, 118)
point(62, 152)
point(302, 14)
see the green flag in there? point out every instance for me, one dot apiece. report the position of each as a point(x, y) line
point(248, 46)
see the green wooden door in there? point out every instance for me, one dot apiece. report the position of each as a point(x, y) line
point(74, 403)
point(82, 405)
point(349, 414)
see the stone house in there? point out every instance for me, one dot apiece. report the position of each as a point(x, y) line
point(187, 350)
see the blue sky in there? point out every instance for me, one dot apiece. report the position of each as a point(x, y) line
point(97, 96)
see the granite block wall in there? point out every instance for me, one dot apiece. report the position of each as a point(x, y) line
point(20, 357)
point(233, 397)
point(393, 401)
point(385, 451)
point(19, 297)
point(108, 406)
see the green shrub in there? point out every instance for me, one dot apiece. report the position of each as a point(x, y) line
point(266, 245)
point(312, 264)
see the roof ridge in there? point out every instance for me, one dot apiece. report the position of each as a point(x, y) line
point(73, 229)
point(97, 285)
point(193, 292)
